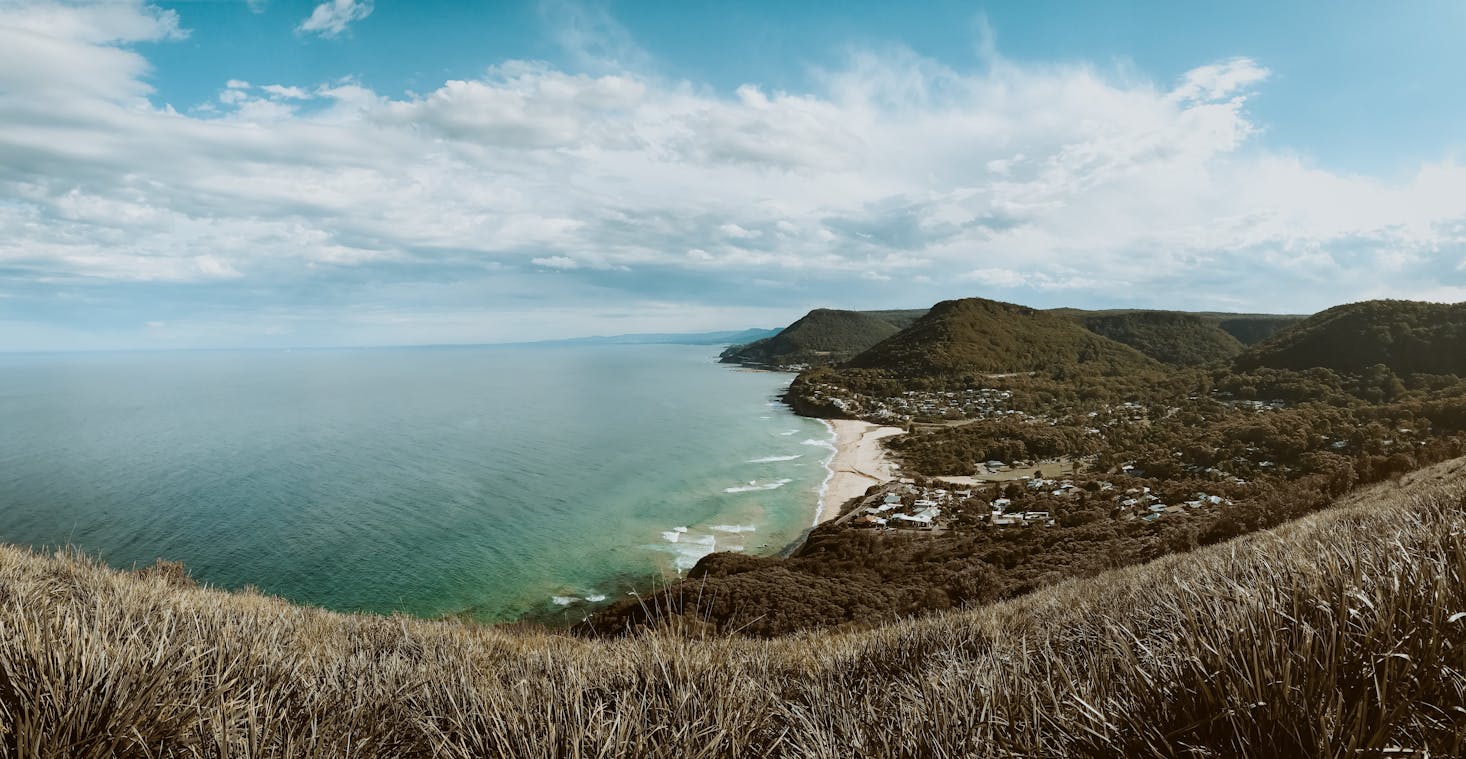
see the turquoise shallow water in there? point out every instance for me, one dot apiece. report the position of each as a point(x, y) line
point(492, 481)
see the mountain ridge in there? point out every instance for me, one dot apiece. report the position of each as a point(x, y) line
point(988, 336)
point(823, 336)
point(1407, 337)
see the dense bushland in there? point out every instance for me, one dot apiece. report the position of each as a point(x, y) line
point(986, 336)
point(1167, 336)
point(821, 337)
point(1407, 337)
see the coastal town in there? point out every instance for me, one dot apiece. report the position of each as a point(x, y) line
point(1078, 463)
point(1027, 500)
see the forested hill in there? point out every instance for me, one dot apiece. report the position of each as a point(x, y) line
point(980, 335)
point(1170, 337)
point(1251, 329)
point(1408, 337)
point(821, 337)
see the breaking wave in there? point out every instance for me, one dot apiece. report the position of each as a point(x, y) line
point(754, 485)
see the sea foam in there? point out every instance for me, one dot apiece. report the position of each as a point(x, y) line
point(772, 459)
point(754, 485)
point(591, 597)
point(689, 553)
point(829, 463)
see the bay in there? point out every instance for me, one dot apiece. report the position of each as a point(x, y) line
point(491, 482)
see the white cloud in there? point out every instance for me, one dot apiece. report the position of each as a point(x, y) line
point(1218, 81)
point(77, 50)
point(289, 93)
point(735, 232)
point(330, 18)
point(556, 262)
point(1002, 278)
point(591, 37)
point(895, 178)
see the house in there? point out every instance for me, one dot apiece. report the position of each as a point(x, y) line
point(892, 498)
point(1156, 508)
point(1001, 521)
point(920, 520)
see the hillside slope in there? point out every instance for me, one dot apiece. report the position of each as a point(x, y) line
point(1337, 635)
point(979, 335)
point(1407, 336)
point(1251, 329)
point(821, 337)
point(1169, 337)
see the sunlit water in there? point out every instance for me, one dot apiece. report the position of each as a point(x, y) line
point(491, 481)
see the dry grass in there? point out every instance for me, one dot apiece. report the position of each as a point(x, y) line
point(1339, 635)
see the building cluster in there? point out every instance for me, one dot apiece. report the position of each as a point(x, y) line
point(1140, 503)
point(972, 403)
point(920, 405)
point(907, 506)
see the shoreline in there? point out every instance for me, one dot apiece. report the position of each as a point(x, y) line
point(856, 462)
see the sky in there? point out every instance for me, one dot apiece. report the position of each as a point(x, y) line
point(270, 173)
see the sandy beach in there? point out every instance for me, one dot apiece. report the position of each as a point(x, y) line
point(858, 463)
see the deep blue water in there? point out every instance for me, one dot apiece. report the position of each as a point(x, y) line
point(486, 480)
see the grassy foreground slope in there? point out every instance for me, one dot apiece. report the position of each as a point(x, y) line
point(1340, 634)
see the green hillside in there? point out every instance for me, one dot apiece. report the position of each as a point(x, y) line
point(1408, 337)
point(823, 336)
point(1170, 337)
point(979, 335)
point(1251, 329)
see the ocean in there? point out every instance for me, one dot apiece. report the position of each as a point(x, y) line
point(491, 482)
